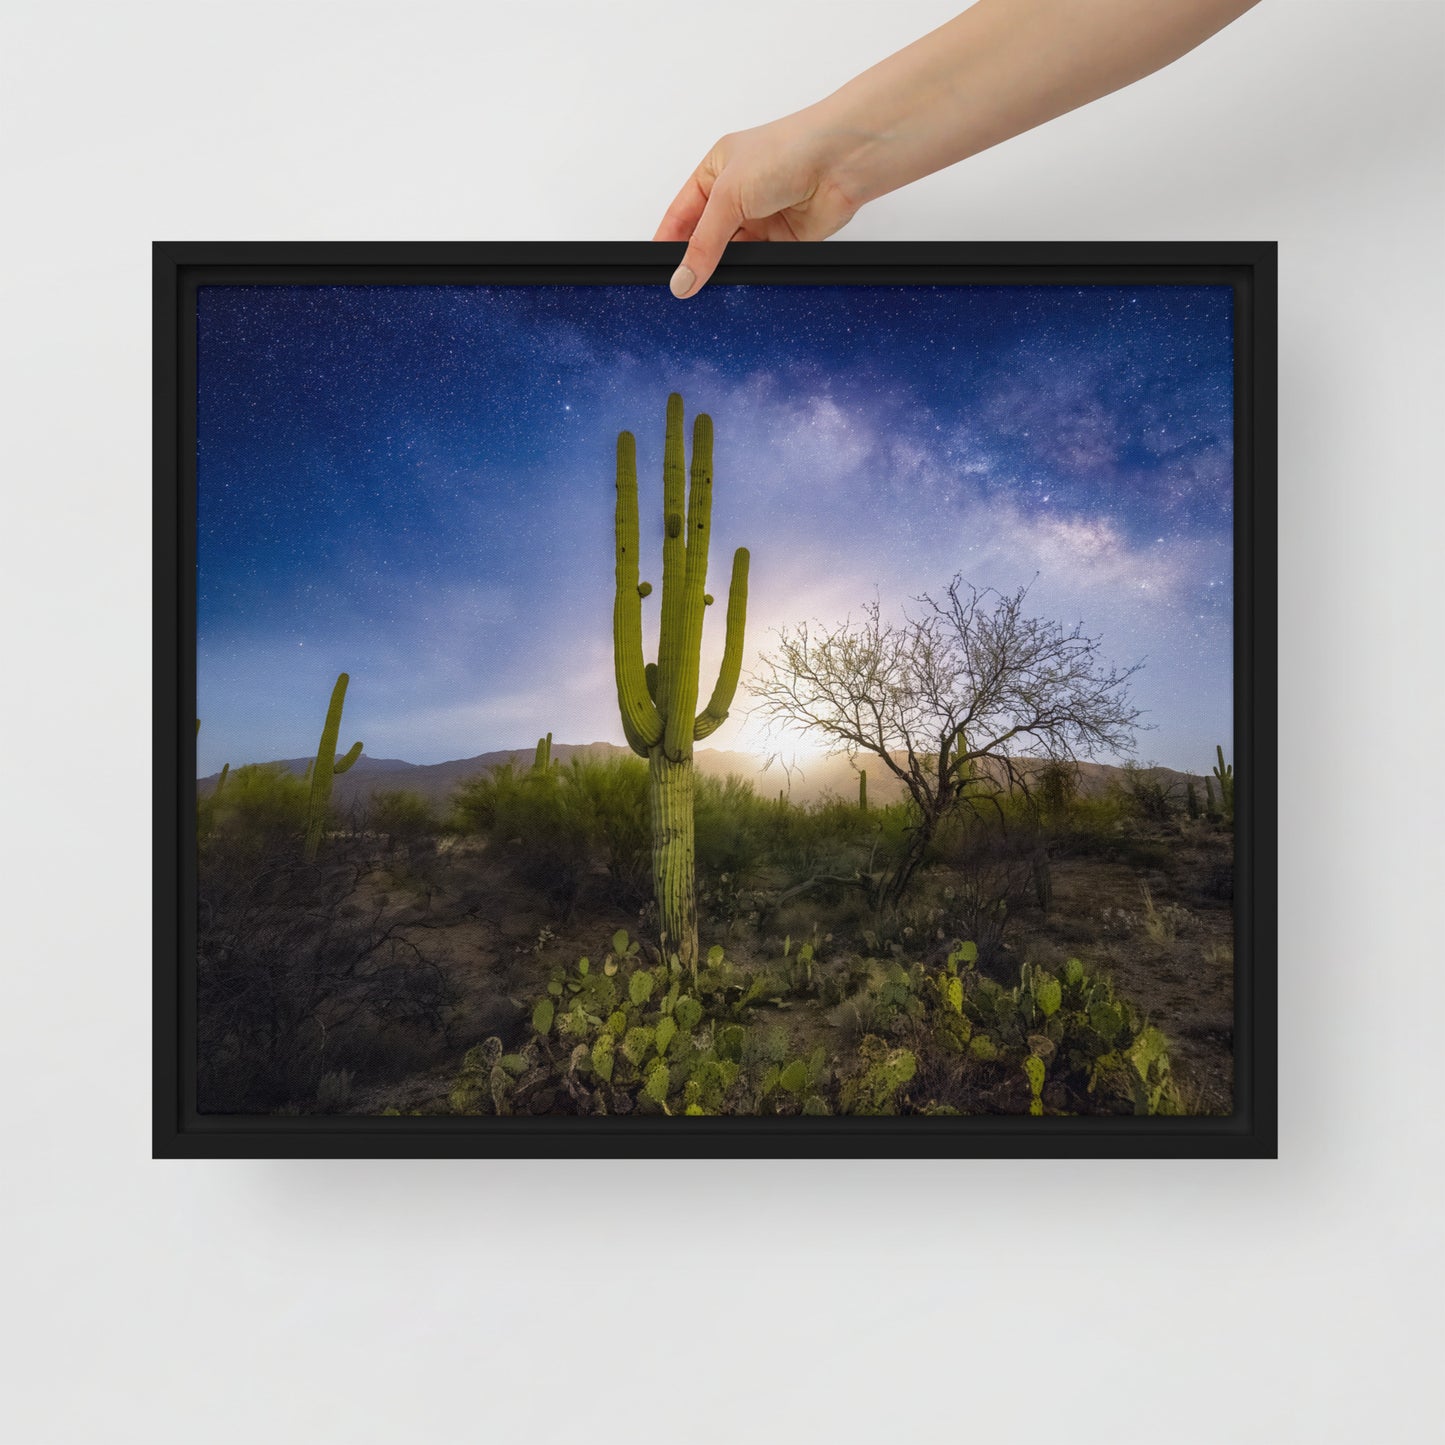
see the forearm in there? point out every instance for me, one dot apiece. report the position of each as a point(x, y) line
point(1000, 68)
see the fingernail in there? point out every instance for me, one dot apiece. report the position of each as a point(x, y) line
point(682, 281)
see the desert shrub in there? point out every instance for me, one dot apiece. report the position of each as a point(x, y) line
point(1162, 924)
point(999, 871)
point(523, 814)
point(604, 802)
point(1055, 791)
point(1097, 818)
point(733, 829)
point(294, 974)
point(262, 807)
point(403, 818)
point(561, 825)
point(1151, 794)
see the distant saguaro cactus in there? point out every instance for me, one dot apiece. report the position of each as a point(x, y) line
point(1224, 776)
point(543, 760)
point(863, 789)
point(326, 765)
point(658, 700)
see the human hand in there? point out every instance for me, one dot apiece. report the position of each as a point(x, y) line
point(1000, 68)
point(776, 182)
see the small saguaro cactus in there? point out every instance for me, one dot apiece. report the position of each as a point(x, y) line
point(1224, 776)
point(325, 767)
point(1191, 799)
point(543, 759)
point(863, 789)
point(658, 701)
point(221, 781)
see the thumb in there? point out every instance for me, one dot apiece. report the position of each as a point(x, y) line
point(719, 223)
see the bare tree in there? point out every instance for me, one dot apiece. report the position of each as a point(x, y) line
point(949, 700)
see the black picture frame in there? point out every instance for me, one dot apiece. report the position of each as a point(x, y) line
point(180, 1131)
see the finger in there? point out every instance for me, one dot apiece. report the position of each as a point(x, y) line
point(720, 218)
point(682, 215)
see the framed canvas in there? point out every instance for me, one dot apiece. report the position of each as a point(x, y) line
point(833, 715)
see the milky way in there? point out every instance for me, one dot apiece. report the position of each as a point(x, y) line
point(414, 485)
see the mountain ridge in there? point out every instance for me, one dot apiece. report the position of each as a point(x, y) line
point(822, 777)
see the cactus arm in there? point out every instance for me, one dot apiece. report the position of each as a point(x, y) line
point(679, 685)
point(1224, 772)
point(641, 723)
point(321, 775)
point(674, 554)
point(650, 672)
point(342, 764)
point(716, 711)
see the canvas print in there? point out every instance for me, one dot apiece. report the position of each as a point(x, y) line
point(805, 700)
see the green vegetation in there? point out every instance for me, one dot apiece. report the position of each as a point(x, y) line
point(321, 982)
point(326, 765)
point(1224, 776)
point(263, 807)
point(637, 1034)
point(658, 700)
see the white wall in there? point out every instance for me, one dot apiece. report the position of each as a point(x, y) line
point(1294, 1301)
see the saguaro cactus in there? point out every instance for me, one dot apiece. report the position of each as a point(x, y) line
point(327, 764)
point(1224, 776)
point(543, 759)
point(658, 700)
point(863, 789)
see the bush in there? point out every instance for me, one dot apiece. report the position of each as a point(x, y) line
point(262, 806)
point(403, 818)
point(294, 979)
point(605, 803)
point(1150, 793)
point(560, 823)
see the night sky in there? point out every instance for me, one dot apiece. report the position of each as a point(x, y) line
point(415, 485)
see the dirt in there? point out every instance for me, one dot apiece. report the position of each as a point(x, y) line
point(1152, 923)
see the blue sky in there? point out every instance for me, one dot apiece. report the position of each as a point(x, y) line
point(415, 485)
